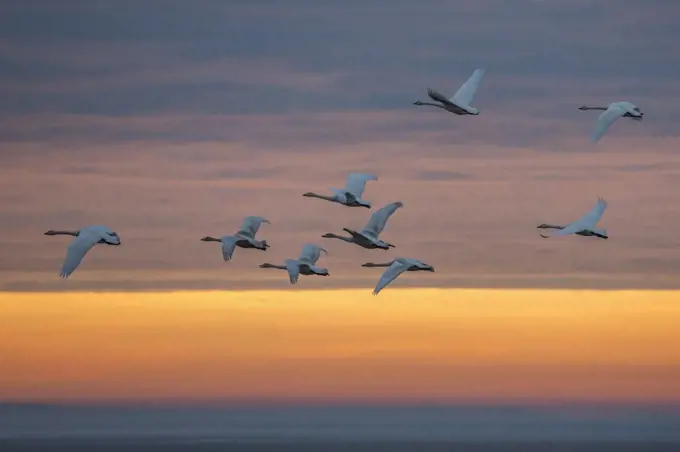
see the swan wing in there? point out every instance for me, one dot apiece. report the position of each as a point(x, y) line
point(293, 268)
point(250, 226)
point(466, 92)
point(397, 267)
point(379, 218)
point(439, 97)
point(311, 253)
point(591, 218)
point(77, 249)
point(587, 221)
point(356, 183)
point(228, 246)
point(606, 119)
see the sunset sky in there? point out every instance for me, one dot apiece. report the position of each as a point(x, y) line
point(172, 123)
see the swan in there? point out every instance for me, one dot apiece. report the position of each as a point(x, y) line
point(585, 226)
point(611, 113)
point(303, 265)
point(351, 195)
point(244, 237)
point(459, 104)
point(368, 237)
point(396, 268)
point(84, 240)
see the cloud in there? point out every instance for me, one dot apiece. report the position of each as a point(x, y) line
point(169, 124)
point(442, 175)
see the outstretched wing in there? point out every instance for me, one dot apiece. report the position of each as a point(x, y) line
point(77, 249)
point(606, 119)
point(587, 221)
point(356, 183)
point(466, 92)
point(397, 268)
point(293, 268)
point(250, 226)
point(311, 253)
point(439, 97)
point(228, 246)
point(379, 218)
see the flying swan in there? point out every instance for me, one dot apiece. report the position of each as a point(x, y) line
point(396, 268)
point(351, 195)
point(368, 237)
point(243, 238)
point(615, 111)
point(303, 265)
point(84, 240)
point(585, 226)
point(459, 104)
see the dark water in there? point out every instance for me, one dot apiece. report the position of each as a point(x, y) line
point(166, 445)
point(335, 429)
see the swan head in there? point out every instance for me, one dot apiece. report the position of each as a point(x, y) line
point(543, 226)
point(583, 107)
point(111, 238)
point(309, 194)
point(417, 103)
point(209, 239)
point(328, 235)
point(51, 232)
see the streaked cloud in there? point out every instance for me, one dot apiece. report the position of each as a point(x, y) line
point(169, 124)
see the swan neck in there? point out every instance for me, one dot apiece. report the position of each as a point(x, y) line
point(73, 233)
point(268, 265)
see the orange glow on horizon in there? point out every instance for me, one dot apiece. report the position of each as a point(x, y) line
point(406, 344)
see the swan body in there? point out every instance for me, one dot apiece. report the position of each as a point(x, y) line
point(396, 268)
point(303, 265)
point(243, 238)
point(368, 236)
point(611, 113)
point(350, 195)
point(585, 226)
point(84, 240)
point(459, 103)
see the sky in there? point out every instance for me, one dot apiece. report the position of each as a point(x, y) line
point(169, 124)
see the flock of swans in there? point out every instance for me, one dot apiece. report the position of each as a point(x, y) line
point(352, 196)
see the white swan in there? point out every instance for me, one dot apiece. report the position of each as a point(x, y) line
point(611, 113)
point(243, 238)
point(84, 240)
point(368, 237)
point(351, 195)
point(585, 226)
point(303, 265)
point(396, 268)
point(459, 104)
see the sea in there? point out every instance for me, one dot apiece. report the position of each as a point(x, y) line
point(27, 427)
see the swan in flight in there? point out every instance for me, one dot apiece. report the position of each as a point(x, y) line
point(459, 104)
point(585, 226)
point(368, 237)
point(351, 195)
point(243, 238)
point(396, 268)
point(611, 113)
point(84, 240)
point(303, 265)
